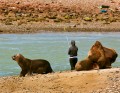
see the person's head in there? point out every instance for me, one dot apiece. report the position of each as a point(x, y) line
point(73, 42)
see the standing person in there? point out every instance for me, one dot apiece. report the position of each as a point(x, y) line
point(73, 54)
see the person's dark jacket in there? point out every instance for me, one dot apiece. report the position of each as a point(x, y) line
point(73, 49)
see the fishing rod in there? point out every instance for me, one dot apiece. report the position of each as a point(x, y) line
point(66, 36)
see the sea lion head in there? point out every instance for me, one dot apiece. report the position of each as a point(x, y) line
point(94, 48)
point(97, 44)
point(17, 57)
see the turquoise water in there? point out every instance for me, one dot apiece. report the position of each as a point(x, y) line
point(52, 47)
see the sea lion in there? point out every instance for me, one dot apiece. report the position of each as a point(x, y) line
point(29, 66)
point(99, 57)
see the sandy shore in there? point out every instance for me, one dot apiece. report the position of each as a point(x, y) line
point(94, 81)
point(31, 16)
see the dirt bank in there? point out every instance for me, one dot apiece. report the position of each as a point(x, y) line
point(26, 16)
point(102, 81)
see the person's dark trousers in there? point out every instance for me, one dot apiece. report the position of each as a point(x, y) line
point(73, 61)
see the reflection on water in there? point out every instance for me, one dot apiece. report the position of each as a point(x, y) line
point(52, 47)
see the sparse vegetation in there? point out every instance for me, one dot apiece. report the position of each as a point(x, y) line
point(56, 12)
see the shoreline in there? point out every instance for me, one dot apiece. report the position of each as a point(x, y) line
point(61, 27)
point(93, 81)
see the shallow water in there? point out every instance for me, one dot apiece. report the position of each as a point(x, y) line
point(52, 47)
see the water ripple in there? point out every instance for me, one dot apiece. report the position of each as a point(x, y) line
point(52, 47)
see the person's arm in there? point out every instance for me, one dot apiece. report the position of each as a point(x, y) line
point(77, 50)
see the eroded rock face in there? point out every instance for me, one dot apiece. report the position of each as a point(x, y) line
point(55, 11)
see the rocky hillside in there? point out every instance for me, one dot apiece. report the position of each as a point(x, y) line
point(36, 11)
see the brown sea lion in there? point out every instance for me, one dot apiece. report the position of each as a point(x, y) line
point(29, 66)
point(101, 55)
point(86, 64)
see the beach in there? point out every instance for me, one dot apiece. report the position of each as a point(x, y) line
point(93, 81)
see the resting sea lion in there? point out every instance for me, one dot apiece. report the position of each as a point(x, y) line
point(101, 55)
point(85, 64)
